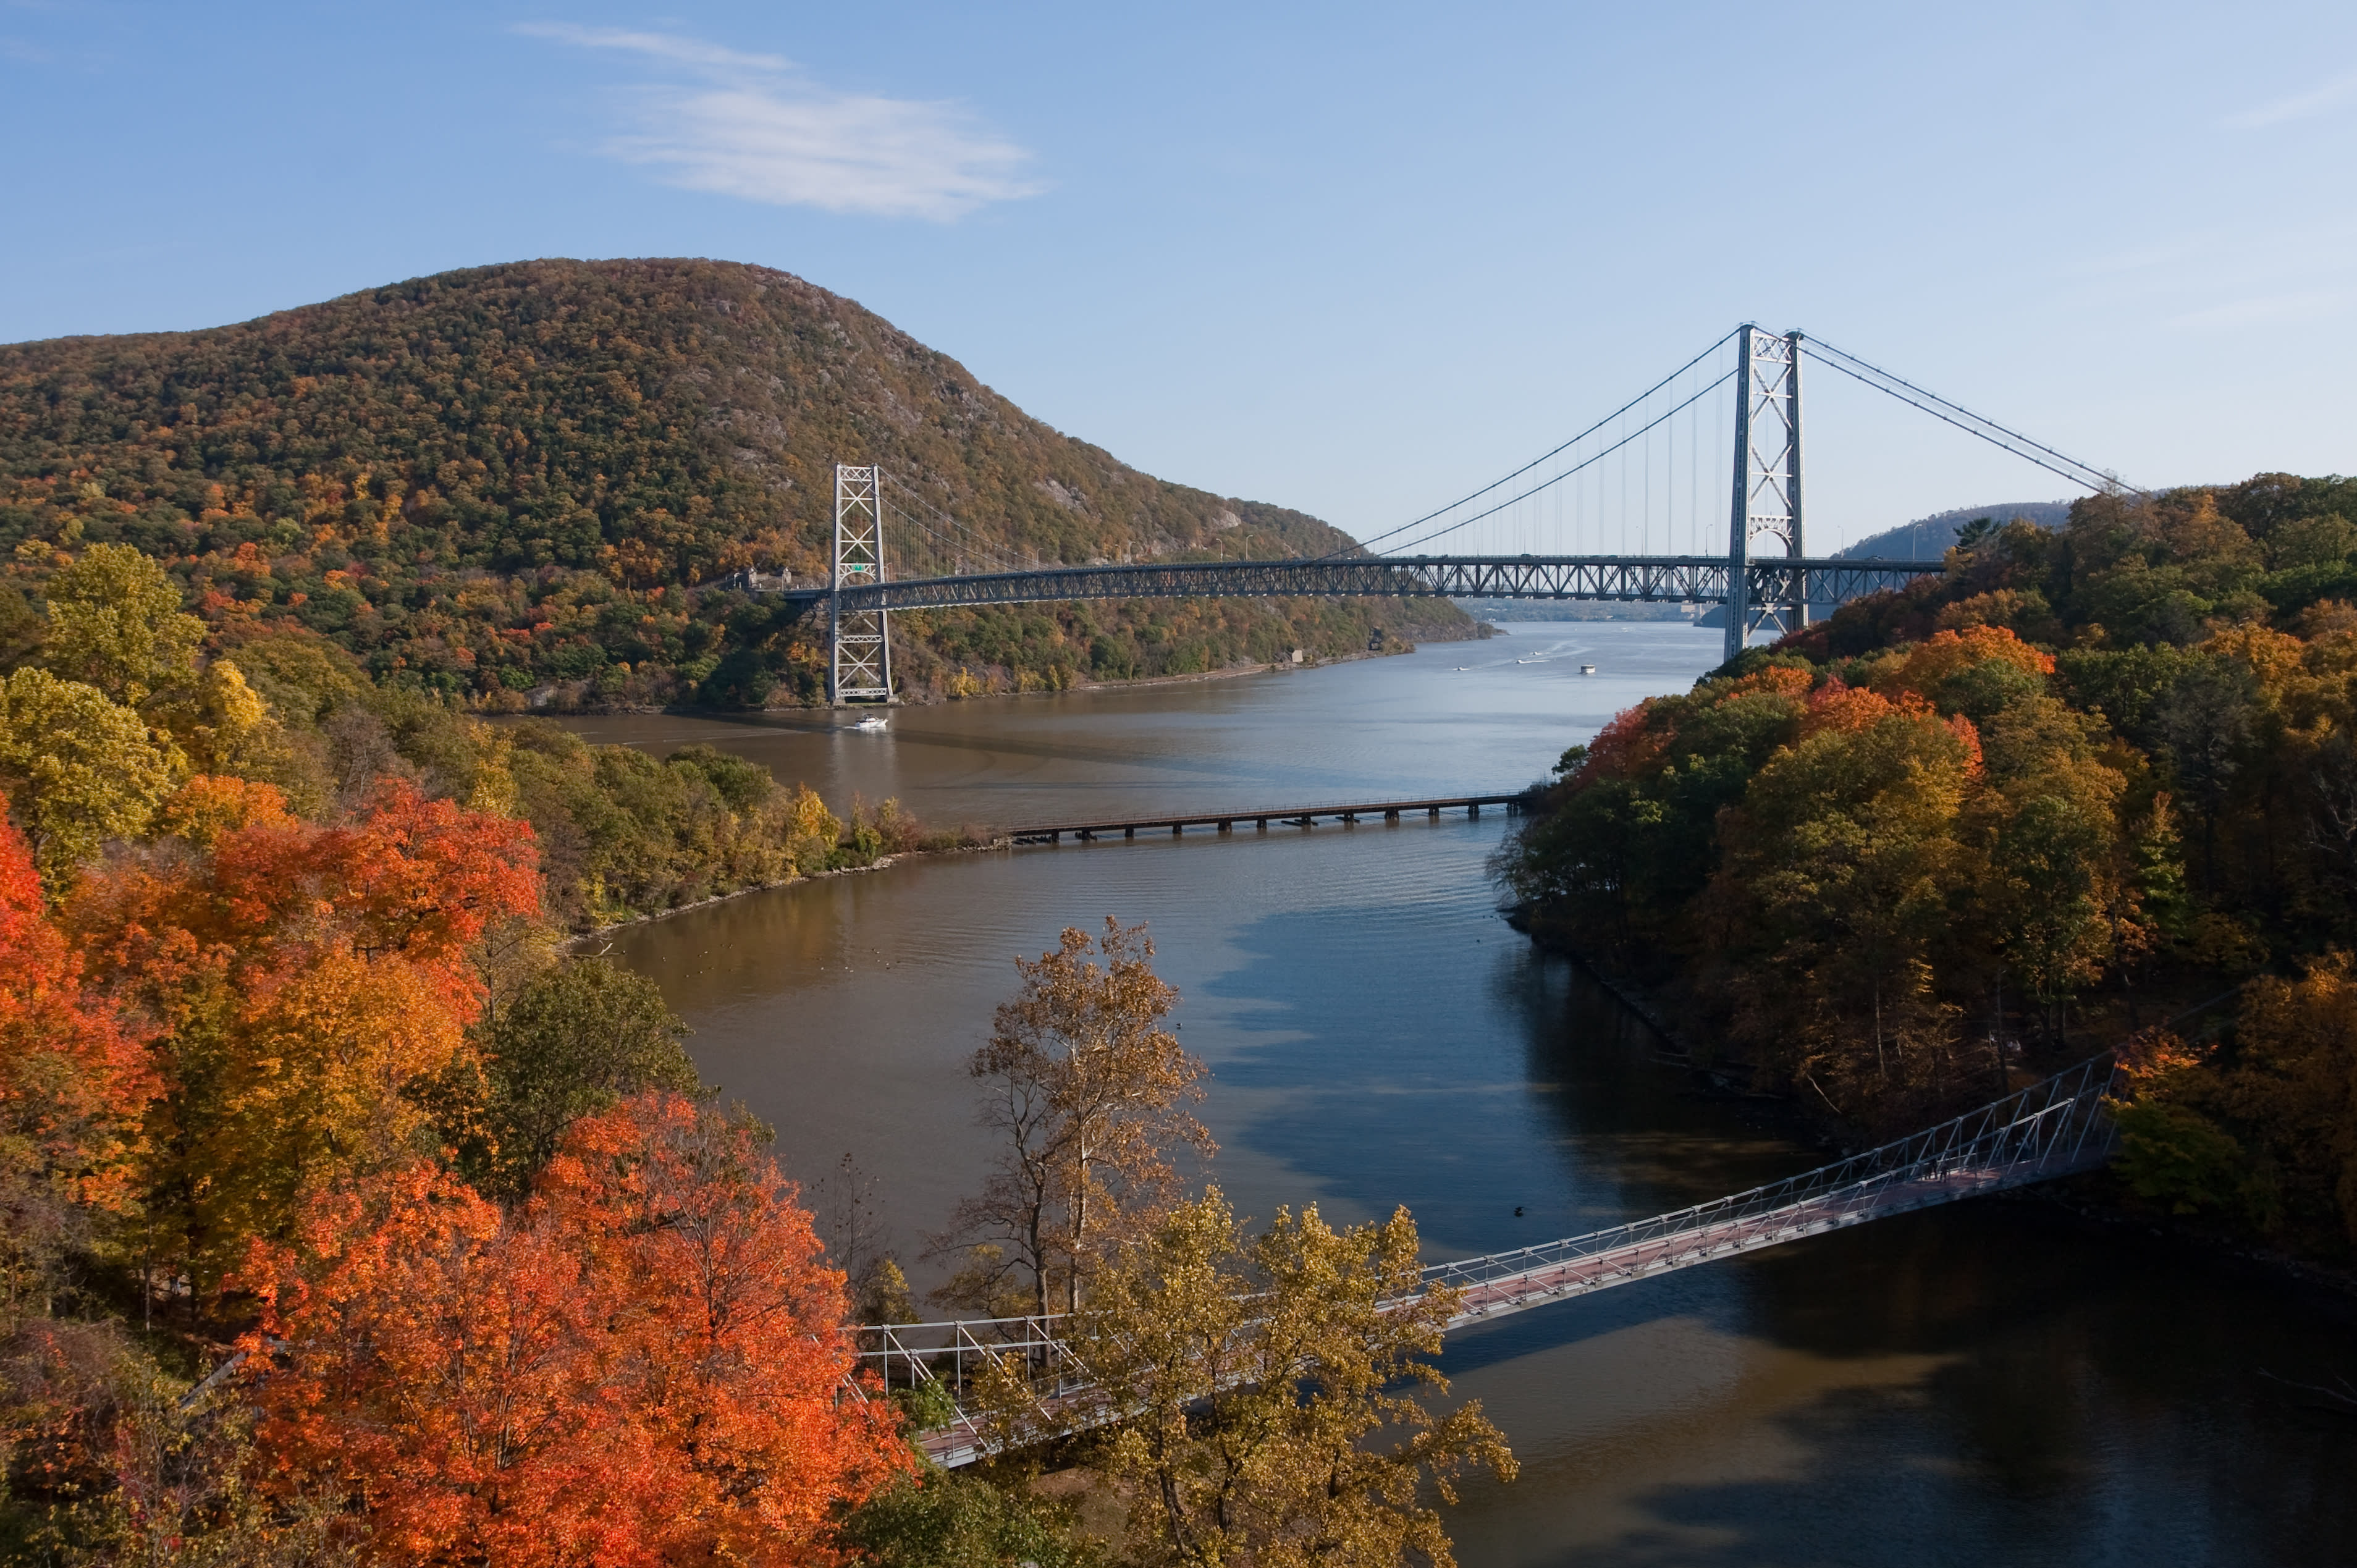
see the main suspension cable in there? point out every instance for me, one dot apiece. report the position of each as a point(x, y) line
point(1368, 545)
point(1583, 463)
point(1965, 419)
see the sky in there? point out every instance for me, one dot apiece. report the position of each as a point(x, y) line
point(1357, 259)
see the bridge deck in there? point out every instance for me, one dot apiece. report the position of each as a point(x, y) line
point(1261, 816)
point(1691, 579)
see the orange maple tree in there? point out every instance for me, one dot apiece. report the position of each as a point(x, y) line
point(643, 1364)
point(303, 982)
point(73, 1082)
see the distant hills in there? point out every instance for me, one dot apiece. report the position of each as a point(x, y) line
point(533, 481)
point(1925, 539)
point(1928, 538)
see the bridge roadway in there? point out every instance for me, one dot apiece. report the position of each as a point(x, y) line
point(2053, 1128)
point(1260, 817)
point(1653, 579)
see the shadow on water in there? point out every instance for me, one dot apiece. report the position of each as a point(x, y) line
point(1464, 1074)
point(1984, 1383)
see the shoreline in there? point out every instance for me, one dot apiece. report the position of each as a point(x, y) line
point(881, 863)
point(1481, 632)
point(2077, 1200)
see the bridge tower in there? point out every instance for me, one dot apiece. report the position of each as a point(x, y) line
point(1767, 477)
point(861, 667)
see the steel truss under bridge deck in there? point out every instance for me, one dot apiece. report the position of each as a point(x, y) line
point(1690, 579)
point(2054, 1128)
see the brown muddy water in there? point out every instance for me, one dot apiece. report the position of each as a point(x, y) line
point(1984, 1384)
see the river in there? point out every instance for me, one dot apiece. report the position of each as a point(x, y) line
point(1986, 1383)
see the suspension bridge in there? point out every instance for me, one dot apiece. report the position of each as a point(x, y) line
point(2054, 1128)
point(1646, 474)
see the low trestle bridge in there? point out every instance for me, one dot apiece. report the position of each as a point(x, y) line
point(2054, 1128)
point(1261, 816)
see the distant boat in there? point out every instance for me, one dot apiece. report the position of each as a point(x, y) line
point(1530, 661)
point(873, 724)
point(1587, 669)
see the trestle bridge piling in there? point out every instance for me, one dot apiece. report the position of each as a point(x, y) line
point(1261, 817)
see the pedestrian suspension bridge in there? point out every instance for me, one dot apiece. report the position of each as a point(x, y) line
point(2054, 1128)
point(1634, 509)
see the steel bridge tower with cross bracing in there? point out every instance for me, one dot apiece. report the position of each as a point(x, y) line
point(1767, 478)
point(860, 668)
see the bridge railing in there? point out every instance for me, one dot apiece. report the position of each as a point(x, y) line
point(905, 1355)
point(2050, 1128)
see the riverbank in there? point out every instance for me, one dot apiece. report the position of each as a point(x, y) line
point(2095, 1200)
point(881, 863)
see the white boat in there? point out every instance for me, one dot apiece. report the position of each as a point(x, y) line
point(873, 724)
point(1587, 669)
point(1530, 662)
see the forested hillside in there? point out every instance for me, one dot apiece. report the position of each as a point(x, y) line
point(2095, 785)
point(533, 477)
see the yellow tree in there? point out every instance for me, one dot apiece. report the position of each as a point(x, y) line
point(300, 1086)
point(81, 768)
point(1841, 872)
point(2294, 1088)
point(230, 730)
point(1257, 1369)
point(813, 831)
point(116, 623)
point(2053, 897)
point(1087, 1093)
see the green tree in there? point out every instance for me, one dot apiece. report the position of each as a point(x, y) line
point(952, 1519)
point(2054, 899)
point(582, 1036)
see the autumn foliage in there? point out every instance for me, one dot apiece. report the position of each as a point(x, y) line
point(2087, 786)
point(642, 1364)
point(74, 1085)
point(305, 980)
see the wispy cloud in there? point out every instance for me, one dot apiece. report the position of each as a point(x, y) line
point(2299, 106)
point(752, 125)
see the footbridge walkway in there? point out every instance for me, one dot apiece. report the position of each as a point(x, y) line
point(2053, 1128)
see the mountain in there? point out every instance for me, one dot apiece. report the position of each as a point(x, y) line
point(539, 477)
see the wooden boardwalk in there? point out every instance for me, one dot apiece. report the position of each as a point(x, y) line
point(1260, 817)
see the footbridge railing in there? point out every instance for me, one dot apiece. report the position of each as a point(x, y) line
point(2053, 1128)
